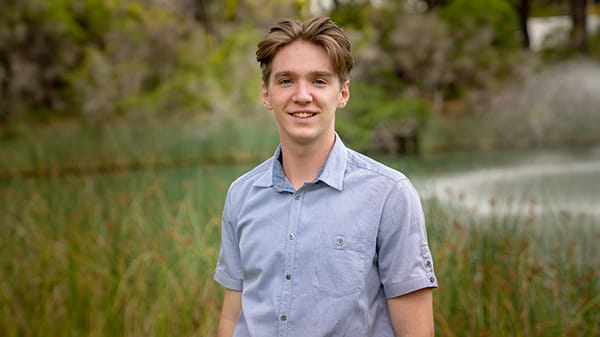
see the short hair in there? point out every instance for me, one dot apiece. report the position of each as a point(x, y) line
point(319, 30)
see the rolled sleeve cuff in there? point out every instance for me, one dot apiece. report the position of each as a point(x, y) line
point(227, 281)
point(407, 287)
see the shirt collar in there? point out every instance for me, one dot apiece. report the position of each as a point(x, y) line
point(334, 168)
point(331, 173)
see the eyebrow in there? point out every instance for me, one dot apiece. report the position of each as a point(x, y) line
point(316, 73)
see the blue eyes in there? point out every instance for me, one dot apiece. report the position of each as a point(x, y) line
point(319, 82)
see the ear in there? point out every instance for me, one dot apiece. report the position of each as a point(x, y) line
point(266, 99)
point(344, 94)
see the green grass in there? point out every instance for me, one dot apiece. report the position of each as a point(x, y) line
point(526, 275)
point(67, 148)
point(132, 253)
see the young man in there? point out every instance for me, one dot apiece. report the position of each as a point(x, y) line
point(320, 240)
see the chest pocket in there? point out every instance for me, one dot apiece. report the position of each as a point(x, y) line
point(341, 263)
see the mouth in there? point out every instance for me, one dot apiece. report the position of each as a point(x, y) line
point(303, 114)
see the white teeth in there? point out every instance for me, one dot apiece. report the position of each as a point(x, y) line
point(303, 114)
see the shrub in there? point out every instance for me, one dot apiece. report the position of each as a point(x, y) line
point(38, 46)
point(460, 51)
point(104, 60)
point(373, 118)
point(484, 42)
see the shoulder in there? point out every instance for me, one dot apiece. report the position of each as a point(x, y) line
point(250, 178)
point(242, 187)
point(369, 166)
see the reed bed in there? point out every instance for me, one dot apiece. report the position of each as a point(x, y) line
point(96, 258)
point(515, 275)
point(69, 148)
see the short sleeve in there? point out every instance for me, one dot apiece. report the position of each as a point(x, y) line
point(228, 271)
point(404, 256)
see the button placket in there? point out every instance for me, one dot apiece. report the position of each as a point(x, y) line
point(289, 265)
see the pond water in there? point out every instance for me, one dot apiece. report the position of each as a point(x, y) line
point(566, 181)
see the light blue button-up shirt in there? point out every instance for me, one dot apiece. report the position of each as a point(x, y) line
point(323, 259)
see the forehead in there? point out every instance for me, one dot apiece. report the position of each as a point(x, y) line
point(300, 57)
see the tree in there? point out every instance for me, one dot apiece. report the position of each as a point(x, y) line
point(431, 4)
point(579, 19)
point(524, 9)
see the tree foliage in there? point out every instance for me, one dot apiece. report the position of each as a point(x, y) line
point(101, 60)
point(484, 39)
point(375, 118)
point(37, 48)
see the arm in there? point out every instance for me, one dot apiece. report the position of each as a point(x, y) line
point(412, 314)
point(232, 305)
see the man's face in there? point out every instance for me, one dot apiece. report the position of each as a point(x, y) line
point(304, 92)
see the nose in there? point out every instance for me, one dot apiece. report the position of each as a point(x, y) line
point(303, 94)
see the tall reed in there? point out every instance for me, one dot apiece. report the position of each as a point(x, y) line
point(102, 256)
point(515, 275)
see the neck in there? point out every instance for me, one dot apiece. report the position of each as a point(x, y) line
point(301, 163)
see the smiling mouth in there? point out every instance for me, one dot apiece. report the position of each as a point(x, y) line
point(303, 114)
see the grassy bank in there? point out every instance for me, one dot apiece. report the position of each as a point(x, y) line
point(70, 148)
point(132, 254)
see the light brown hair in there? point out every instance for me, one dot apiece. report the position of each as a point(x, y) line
point(318, 30)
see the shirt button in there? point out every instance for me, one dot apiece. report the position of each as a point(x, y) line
point(288, 277)
point(432, 279)
point(428, 263)
point(283, 317)
point(292, 236)
point(297, 196)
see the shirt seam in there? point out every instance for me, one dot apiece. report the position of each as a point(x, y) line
point(402, 286)
point(261, 169)
point(378, 172)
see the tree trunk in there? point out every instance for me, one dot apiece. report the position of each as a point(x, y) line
point(579, 19)
point(524, 10)
point(430, 4)
point(203, 16)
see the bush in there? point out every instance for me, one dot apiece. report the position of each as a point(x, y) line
point(484, 43)
point(38, 46)
point(407, 52)
point(459, 52)
point(373, 118)
point(104, 60)
point(453, 58)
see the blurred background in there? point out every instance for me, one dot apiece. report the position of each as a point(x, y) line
point(122, 123)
